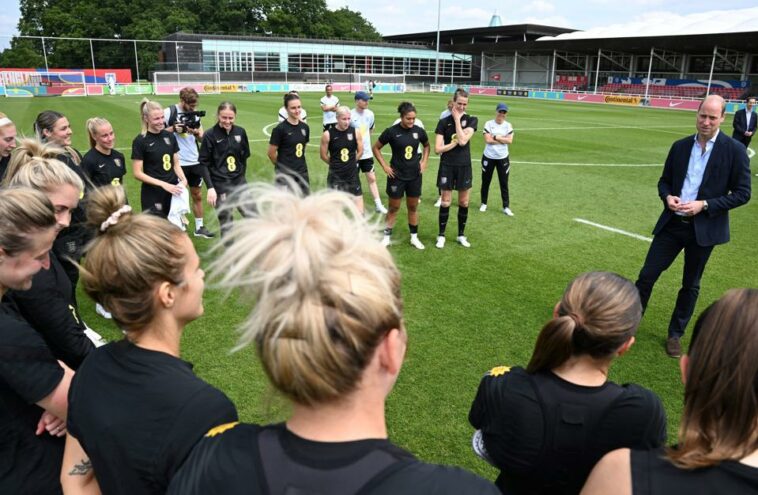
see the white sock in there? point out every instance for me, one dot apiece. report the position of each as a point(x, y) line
point(414, 236)
point(198, 223)
point(378, 201)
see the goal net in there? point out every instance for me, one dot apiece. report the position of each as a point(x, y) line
point(170, 83)
point(33, 83)
point(381, 83)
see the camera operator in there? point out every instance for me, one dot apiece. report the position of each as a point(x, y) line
point(184, 121)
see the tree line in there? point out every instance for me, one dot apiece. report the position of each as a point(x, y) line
point(153, 20)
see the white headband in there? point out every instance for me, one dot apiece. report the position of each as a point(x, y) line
point(113, 219)
point(5, 121)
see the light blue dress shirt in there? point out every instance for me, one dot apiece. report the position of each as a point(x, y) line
point(696, 169)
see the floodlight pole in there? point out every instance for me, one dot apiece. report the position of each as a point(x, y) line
point(437, 59)
point(552, 76)
point(649, 71)
point(515, 68)
point(597, 71)
point(136, 62)
point(44, 54)
point(713, 64)
point(92, 55)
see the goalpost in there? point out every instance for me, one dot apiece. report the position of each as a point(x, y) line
point(170, 83)
point(384, 83)
point(33, 83)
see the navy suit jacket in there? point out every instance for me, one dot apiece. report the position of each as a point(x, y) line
point(726, 185)
point(740, 124)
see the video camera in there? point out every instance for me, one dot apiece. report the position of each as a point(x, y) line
point(190, 120)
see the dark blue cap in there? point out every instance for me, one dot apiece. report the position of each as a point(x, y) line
point(502, 107)
point(362, 95)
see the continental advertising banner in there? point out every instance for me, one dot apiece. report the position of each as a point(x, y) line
point(622, 100)
point(521, 93)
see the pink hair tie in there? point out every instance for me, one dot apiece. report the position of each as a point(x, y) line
point(113, 219)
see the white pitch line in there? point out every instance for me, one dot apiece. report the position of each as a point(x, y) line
point(569, 164)
point(750, 153)
point(613, 229)
point(265, 129)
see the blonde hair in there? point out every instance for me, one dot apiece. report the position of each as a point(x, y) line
point(145, 107)
point(33, 164)
point(46, 121)
point(598, 313)
point(92, 125)
point(5, 121)
point(326, 291)
point(720, 417)
point(125, 262)
point(342, 109)
point(23, 212)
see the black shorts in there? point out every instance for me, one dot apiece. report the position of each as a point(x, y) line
point(192, 173)
point(329, 126)
point(454, 178)
point(350, 185)
point(300, 177)
point(155, 200)
point(397, 187)
point(366, 165)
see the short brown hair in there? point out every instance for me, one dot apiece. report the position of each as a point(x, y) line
point(598, 313)
point(188, 95)
point(125, 262)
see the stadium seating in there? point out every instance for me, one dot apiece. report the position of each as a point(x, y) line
point(678, 91)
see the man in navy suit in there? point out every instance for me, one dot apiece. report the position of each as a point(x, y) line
point(745, 122)
point(704, 177)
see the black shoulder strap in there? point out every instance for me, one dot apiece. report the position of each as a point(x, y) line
point(173, 112)
point(284, 475)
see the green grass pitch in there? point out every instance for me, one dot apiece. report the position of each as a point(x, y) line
point(470, 310)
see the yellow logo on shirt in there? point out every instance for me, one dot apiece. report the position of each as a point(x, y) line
point(499, 370)
point(218, 430)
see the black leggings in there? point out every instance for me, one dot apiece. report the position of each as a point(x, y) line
point(503, 167)
point(226, 215)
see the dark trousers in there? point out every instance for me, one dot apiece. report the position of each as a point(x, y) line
point(503, 171)
point(225, 191)
point(667, 244)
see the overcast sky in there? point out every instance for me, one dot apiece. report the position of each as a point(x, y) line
point(412, 16)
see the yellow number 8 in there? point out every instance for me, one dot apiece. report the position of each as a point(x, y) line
point(299, 150)
point(344, 154)
point(231, 163)
point(408, 152)
point(166, 162)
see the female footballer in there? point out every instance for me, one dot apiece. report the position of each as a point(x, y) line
point(286, 148)
point(155, 161)
point(224, 153)
point(404, 170)
point(340, 147)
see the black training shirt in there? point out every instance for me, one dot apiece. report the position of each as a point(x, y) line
point(343, 146)
point(157, 154)
point(404, 142)
point(546, 434)
point(50, 308)
point(291, 141)
point(28, 374)
point(104, 169)
point(228, 460)
point(459, 156)
point(137, 413)
point(225, 154)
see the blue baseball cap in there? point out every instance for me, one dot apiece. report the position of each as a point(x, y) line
point(362, 95)
point(502, 107)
